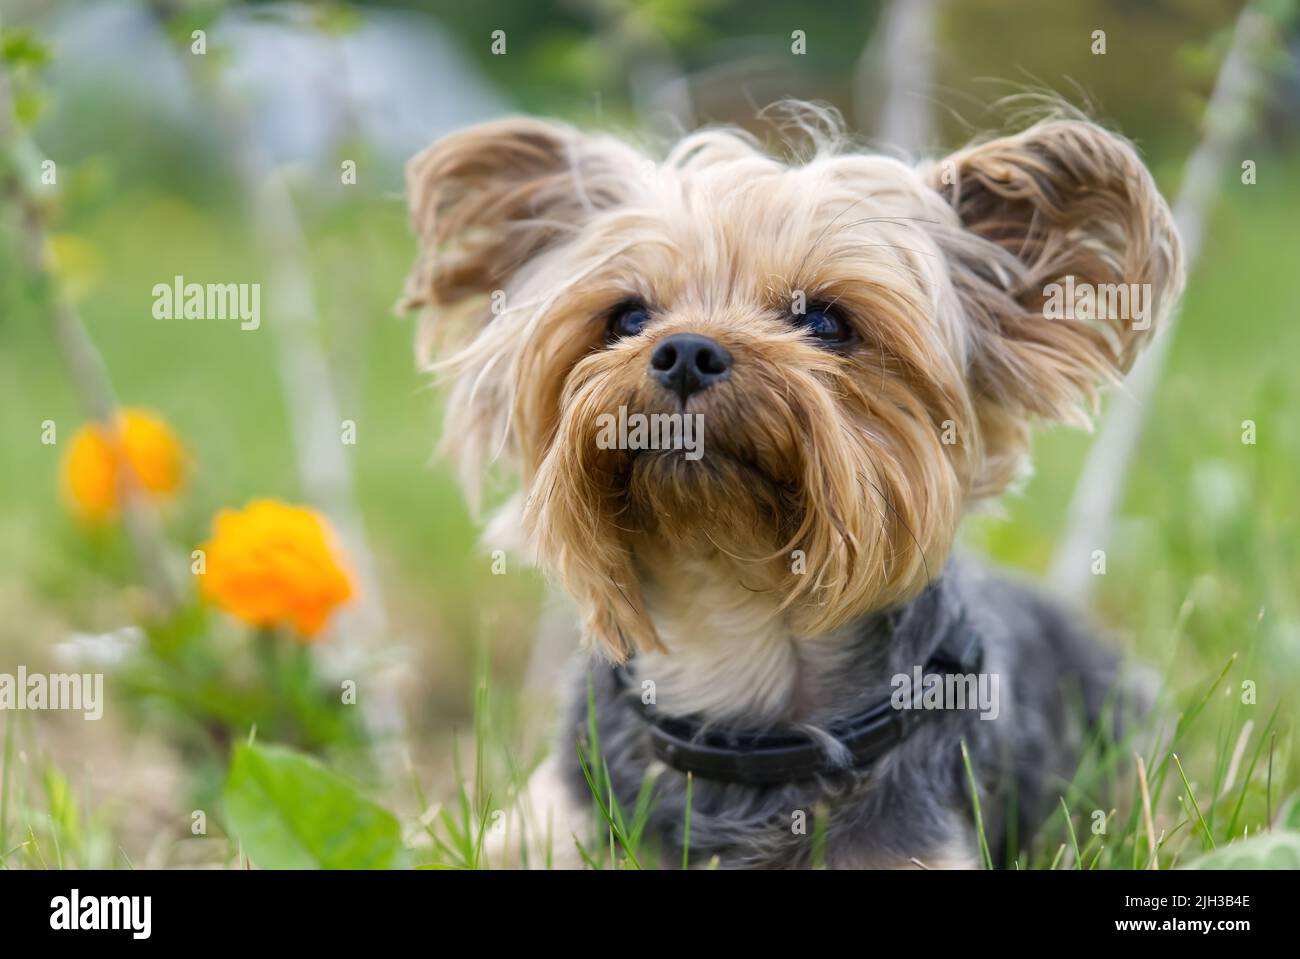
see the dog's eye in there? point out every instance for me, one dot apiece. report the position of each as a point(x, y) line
point(627, 319)
point(824, 324)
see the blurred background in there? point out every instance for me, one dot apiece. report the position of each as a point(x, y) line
point(274, 156)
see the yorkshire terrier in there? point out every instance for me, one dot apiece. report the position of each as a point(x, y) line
point(775, 624)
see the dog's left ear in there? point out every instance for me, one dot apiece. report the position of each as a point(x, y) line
point(1053, 221)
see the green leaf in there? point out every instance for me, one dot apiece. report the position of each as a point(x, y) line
point(1273, 850)
point(1289, 817)
point(19, 47)
point(290, 812)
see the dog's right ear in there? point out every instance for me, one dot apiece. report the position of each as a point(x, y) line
point(487, 200)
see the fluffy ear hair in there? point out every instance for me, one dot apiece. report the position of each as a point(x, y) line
point(486, 200)
point(1064, 198)
point(487, 203)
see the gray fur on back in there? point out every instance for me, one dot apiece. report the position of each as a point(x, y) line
point(914, 802)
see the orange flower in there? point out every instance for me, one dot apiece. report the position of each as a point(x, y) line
point(271, 564)
point(141, 443)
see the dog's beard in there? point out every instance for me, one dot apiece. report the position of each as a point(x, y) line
point(732, 504)
point(834, 501)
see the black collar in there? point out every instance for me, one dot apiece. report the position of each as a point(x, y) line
point(788, 754)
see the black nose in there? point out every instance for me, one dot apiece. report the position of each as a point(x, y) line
point(687, 362)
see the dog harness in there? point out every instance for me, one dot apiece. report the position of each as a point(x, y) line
point(789, 754)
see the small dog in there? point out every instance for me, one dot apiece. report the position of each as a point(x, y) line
point(863, 345)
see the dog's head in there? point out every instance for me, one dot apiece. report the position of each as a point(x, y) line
point(863, 342)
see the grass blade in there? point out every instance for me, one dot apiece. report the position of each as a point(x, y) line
point(686, 826)
point(975, 803)
point(1205, 830)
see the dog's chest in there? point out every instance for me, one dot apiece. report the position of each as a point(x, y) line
point(731, 655)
